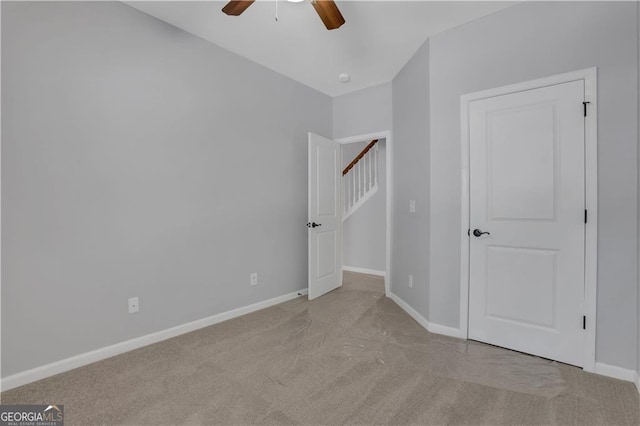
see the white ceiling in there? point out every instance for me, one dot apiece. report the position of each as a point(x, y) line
point(377, 40)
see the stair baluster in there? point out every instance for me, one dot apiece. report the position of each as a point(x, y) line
point(360, 179)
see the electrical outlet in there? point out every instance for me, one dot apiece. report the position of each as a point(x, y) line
point(412, 206)
point(134, 305)
point(410, 281)
point(254, 278)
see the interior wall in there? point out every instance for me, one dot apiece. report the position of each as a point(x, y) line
point(524, 42)
point(638, 123)
point(364, 233)
point(411, 234)
point(362, 112)
point(139, 160)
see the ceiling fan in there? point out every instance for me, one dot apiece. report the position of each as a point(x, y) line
point(326, 9)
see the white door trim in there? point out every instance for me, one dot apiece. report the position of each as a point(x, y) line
point(387, 135)
point(589, 76)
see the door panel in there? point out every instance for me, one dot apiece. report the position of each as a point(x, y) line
point(526, 286)
point(325, 235)
point(326, 249)
point(326, 162)
point(530, 299)
point(526, 162)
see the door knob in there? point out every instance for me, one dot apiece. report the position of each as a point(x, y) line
point(313, 225)
point(478, 233)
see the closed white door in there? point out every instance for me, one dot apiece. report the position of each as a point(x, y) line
point(325, 216)
point(527, 219)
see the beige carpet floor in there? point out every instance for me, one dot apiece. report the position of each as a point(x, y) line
point(349, 357)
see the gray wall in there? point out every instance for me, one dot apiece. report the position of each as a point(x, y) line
point(361, 112)
point(124, 170)
point(524, 42)
point(365, 231)
point(410, 254)
point(358, 113)
point(139, 160)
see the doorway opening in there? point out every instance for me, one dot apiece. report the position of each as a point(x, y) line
point(367, 192)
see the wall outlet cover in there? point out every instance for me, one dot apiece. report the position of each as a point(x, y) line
point(134, 305)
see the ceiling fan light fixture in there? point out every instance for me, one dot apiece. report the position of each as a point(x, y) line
point(295, 1)
point(326, 10)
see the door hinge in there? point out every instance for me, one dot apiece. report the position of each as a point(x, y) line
point(584, 322)
point(584, 105)
point(585, 215)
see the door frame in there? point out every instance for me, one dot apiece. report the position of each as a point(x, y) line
point(589, 75)
point(387, 135)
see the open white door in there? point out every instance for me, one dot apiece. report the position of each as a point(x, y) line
point(325, 216)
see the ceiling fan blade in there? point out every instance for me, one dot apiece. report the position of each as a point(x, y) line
point(235, 8)
point(329, 13)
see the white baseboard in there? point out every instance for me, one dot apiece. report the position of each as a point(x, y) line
point(615, 372)
point(600, 368)
point(429, 326)
point(447, 331)
point(364, 271)
point(408, 309)
point(80, 360)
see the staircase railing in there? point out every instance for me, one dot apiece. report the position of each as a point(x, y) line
point(360, 179)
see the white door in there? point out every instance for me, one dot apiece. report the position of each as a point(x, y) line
point(526, 288)
point(325, 216)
